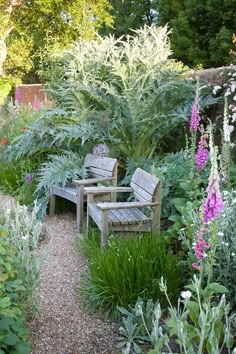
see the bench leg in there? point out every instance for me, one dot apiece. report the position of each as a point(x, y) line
point(52, 203)
point(104, 230)
point(80, 208)
point(90, 199)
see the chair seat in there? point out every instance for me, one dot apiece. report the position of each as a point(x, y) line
point(129, 216)
point(69, 192)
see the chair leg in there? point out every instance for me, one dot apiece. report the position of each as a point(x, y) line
point(104, 230)
point(80, 208)
point(52, 204)
point(90, 199)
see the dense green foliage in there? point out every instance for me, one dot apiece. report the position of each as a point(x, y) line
point(13, 334)
point(201, 30)
point(137, 97)
point(132, 266)
point(27, 26)
point(130, 15)
point(19, 276)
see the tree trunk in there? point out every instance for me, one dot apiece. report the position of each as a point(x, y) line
point(6, 28)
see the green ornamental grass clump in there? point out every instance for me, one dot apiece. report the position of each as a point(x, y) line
point(130, 267)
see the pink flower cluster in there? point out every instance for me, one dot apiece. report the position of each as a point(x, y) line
point(200, 247)
point(214, 202)
point(36, 104)
point(195, 118)
point(202, 153)
point(18, 95)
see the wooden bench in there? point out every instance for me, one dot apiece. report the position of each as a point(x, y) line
point(99, 170)
point(127, 216)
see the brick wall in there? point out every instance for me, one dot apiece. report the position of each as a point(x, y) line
point(28, 93)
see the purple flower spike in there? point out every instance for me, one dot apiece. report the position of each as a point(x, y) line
point(18, 95)
point(36, 104)
point(195, 118)
point(28, 178)
point(202, 153)
point(214, 202)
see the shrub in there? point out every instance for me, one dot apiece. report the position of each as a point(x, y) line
point(13, 334)
point(200, 323)
point(225, 268)
point(131, 266)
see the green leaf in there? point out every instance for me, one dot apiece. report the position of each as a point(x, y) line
point(5, 302)
point(22, 348)
point(218, 288)
point(121, 344)
point(11, 339)
point(179, 202)
point(193, 308)
point(137, 348)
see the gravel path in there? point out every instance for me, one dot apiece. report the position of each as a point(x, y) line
point(63, 326)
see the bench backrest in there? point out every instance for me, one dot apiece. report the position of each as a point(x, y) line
point(147, 188)
point(98, 166)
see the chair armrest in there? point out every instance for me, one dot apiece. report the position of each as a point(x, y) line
point(84, 182)
point(110, 206)
point(97, 190)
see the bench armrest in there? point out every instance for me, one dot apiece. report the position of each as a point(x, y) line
point(96, 190)
point(110, 206)
point(85, 182)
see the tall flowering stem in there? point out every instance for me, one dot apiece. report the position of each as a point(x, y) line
point(214, 202)
point(202, 152)
point(226, 144)
point(194, 124)
point(18, 95)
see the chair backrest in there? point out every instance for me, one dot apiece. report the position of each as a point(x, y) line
point(147, 188)
point(98, 166)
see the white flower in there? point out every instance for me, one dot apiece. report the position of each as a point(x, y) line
point(233, 254)
point(233, 87)
point(186, 294)
point(24, 237)
point(234, 98)
point(220, 233)
point(216, 88)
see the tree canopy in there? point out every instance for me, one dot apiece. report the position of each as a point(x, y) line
point(132, 14)
point(25, 24)
point(201, 30)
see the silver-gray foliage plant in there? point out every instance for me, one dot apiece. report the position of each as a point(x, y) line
point(24, 232)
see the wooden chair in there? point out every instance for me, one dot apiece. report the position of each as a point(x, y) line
point(127, 216)
point(99, 169)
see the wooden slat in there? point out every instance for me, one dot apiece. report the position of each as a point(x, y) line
point(119, 215)
point(128, 216)
point(66, 192)
point(105, 163)
point(141, 193)
point(144, 180)
point(113, 219)
point(104, 206)
point(94, 171)
point(90, 181)
point(138, 216)
point(95, 214)
point(135, 227)
point(95, 190)
point(139, 198)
